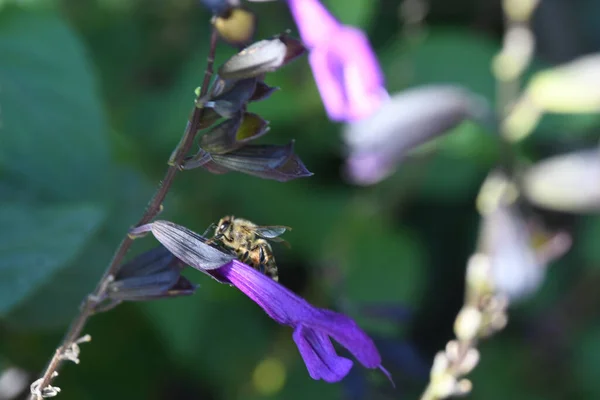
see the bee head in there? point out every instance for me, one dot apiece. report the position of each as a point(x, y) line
point(223, 225)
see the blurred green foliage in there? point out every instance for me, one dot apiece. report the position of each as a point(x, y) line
point(94, 95)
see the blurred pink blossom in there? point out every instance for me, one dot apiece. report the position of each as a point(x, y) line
point(345, 68)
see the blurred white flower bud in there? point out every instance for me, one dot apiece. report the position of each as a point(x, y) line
point(468, 323)
point(569, 182)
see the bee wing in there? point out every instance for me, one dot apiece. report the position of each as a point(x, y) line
point(283, 242)
point(271, 232)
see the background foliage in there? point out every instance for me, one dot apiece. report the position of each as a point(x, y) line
point(94, 95)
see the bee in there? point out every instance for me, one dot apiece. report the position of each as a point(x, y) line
point(249, 242)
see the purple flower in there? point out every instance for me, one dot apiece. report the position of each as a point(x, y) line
point(345, 68)
point(313, 327)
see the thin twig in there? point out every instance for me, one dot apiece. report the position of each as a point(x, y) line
point(154, 207)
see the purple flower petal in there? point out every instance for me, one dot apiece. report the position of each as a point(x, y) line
point(327, 71)
point(315, 23)
point(313, 326)
point(348, 76)
point(319, 356)
point(345, 68)
point(277, 301)
point(362, 74)
point(347, 333)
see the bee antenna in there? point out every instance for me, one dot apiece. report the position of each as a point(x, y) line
point(211, 226)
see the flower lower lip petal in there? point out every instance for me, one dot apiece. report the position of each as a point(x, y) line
point(313, 327)
point(319, 356)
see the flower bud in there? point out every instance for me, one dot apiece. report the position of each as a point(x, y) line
point(468, 323)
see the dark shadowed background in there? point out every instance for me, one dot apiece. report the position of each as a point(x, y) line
point(90, 116)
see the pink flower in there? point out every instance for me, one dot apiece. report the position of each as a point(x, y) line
point(345, 68)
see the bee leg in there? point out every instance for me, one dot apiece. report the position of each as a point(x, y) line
point(215, 239)
point(245, 258)
point(264, 266)
point(261, 260)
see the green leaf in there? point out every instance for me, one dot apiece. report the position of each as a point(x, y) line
point(37, 241)
point(52, 129)
point(71, 283)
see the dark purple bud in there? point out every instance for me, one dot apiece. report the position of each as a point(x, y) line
point(261, 57)
point(219, 86)
point(252, 127)
point(262, 91)
point(293, 168)
point(152, 275)
point(265, 161)
point(234, 133)
point(185, 244)
point(232, 98)
point(256, 157)
point(209, 117)
point(154, 287)
point(221, 138)
point(150, 262)
point(200, 159)
point(295, 48)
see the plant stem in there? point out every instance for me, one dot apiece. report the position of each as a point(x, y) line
point(153, 209)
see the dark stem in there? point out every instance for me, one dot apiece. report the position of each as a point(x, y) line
point(154, 207)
